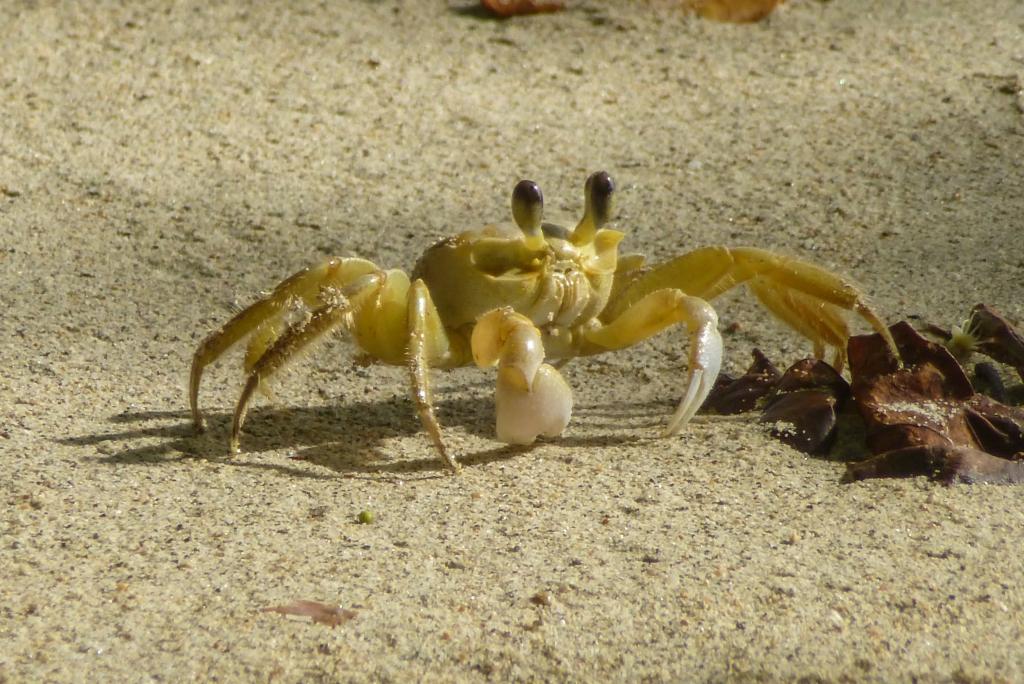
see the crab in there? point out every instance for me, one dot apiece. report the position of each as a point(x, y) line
point(519, 295)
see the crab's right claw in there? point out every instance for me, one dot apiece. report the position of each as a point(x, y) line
point(531, 397)
point(544, 409)
point(705, 362)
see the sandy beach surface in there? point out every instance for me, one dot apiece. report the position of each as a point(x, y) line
point(161, 164)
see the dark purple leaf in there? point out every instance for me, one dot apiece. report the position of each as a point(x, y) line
point(949, 464)
point(738, 395)
point(803, 410)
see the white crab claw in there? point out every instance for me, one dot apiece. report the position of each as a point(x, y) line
point(523, 414)
point(705, 362)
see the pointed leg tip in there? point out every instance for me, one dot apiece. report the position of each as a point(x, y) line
point(696, 392)
point(674, 427)
point(454, 467)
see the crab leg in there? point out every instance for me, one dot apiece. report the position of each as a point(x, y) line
point(531, 397)
point(294, 340)
point(652, 314)
point(312, 287)
point(361, 306)
point(818, 321)
point(807, 297)
point(428, 342)
point(392, 321)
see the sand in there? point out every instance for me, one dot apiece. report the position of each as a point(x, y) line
point(163, 163)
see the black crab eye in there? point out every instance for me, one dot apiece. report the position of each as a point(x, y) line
point(600, 188)
point(527, 205)
point(601, 184)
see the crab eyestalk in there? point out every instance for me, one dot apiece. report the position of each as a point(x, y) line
point(528, 212)
point(597, 195)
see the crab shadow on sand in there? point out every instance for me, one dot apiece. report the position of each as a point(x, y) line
point(353, 438)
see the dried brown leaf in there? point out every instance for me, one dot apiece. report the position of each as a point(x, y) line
point(800, 404)
point(943, 462)
point(997, 337)
point(739, 395)
point(918, 404)
point(324, 613)
point(804, 408)
point(985, 331)
point(510, 8)
point(737, 11)
point(925, 418)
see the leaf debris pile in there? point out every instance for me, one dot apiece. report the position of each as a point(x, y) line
point(921, 417)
